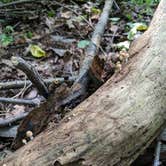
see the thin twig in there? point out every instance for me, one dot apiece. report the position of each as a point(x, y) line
point(22, 90)
point(116, 5)
point(111, 41)
point(80, 85)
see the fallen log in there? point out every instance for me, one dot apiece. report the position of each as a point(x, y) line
point(115, 124)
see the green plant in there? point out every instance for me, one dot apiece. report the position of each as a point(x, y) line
point(29, 34)
point(8, 29)
point(147, 2)
point(6, 37)
point(51, 13)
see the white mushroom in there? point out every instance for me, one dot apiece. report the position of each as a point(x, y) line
point(29, 134)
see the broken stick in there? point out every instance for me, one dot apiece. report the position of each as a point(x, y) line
point(32, 74)
point(31, 102)
point(95, 41)
point(9, 121)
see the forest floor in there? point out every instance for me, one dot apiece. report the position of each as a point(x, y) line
point(53, 36)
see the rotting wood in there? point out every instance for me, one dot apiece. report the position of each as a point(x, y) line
point(115, 124)
point(40, 116)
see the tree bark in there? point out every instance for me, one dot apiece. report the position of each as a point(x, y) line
point(115, 124)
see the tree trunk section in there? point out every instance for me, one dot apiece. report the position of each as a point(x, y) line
point(114, 125)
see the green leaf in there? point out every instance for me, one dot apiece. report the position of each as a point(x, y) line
point(36, 51)
point(29, 34)
point(140, 26)
point(83, 43)
point(51, 13)
point(132, 33)
point(95, 10)
point(6, 39)
point(134, 28)
point(123, 45)
point(8, 29)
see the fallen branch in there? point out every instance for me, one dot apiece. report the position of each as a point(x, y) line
point(84, 74)
point(31, 102)
point(95, 41)
point(32, 74)
point(20, 84)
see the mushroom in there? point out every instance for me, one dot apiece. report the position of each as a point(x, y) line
point(29, 134)
point(24, 141)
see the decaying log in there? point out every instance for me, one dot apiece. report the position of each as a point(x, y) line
point(78, 90)
point(115, 124)
point(40, 116)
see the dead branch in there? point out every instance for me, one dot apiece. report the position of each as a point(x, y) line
point(95, 41)
point(80, 85)
point(20, 84)
point(31, 102)
point(32, 74)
